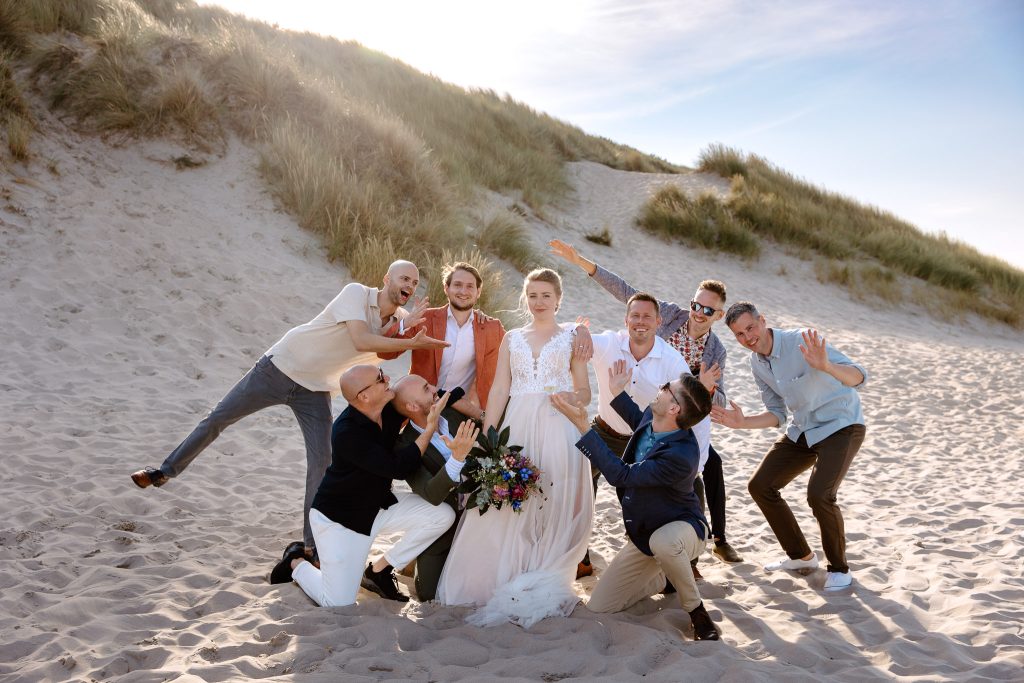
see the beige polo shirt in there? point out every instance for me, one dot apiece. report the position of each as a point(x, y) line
point(314, 355)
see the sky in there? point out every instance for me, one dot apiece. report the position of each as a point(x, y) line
point(914, 106)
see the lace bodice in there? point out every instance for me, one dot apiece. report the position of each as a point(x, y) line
point(547, 373)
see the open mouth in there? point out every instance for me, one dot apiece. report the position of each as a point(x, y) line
point(405, 292)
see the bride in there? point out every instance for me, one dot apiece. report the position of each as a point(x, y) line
point(520, 565)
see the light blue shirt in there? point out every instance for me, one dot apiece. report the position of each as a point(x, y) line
point(648, 440)
point(821, 405)
point(452, 466)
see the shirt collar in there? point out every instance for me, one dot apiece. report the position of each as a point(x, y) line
point(655, 352)
point(442, 427)
point(776, 347)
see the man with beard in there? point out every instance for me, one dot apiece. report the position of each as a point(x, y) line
point(303, 369)
point(653, 362)
point(471, 354)
point(687, 329)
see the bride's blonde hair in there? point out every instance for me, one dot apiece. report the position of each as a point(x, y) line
point(540, 275)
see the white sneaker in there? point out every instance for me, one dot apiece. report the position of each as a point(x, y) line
point(837, 581)
point(788, 563)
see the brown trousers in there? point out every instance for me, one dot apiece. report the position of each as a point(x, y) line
point(830, 460)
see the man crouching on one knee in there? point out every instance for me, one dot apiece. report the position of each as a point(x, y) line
point(663, 517)
point(355, 503)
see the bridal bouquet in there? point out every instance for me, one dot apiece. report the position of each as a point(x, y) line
point(498, 474)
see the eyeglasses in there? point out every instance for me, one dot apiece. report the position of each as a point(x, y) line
point(706, 310)
point(380, 380)
point(666, 387)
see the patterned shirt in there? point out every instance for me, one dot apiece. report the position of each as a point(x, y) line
point(692, 349)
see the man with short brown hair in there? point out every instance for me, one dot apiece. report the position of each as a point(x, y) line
point(471, 357)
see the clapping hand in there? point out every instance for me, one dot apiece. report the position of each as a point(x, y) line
point(728, 417)
point(619, 377)
point(709, 376)
point(576, 413)
point(463, 441)
point(814, 351)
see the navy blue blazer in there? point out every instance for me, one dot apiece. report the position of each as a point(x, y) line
point(657, 490)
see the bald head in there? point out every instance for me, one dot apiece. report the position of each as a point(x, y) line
point(401, 282)
point(413, 397)
point(357, 379)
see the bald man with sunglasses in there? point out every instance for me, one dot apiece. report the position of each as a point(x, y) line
point(687, 329)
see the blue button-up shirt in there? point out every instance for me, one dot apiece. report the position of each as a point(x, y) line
point(821, 405)
point(648, 438)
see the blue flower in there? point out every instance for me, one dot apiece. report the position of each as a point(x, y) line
point(516, 505)
point(506, 475)
point(525, 473)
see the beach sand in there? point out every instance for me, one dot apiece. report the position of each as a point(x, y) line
point(134, 294)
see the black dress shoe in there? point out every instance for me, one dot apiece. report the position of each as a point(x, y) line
point(703, 627)
point(727, 552)
point(282, 571)
point(383, 583)
point(149, 477)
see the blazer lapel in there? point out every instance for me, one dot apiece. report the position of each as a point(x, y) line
point(440, 331)
point(629, 455)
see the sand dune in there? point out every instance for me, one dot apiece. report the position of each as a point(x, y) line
point(133, 295)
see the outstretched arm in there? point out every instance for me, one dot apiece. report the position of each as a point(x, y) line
point(366, 341)
point(823, 357)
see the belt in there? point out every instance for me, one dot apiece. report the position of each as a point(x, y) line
point(604, 426)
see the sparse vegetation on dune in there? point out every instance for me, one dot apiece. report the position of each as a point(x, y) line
point(384, 161)
point(859, 247)
point(364, 149)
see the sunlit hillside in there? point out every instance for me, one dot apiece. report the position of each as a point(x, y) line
point(380, 159)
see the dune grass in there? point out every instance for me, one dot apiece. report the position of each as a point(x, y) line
point(365, 150)
point(703, 222)
point(504, 235)
point(856, 246)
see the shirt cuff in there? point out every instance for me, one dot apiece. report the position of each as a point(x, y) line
point(454, 468)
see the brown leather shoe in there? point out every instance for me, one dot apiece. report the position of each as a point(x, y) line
point(727, 553)
point(584, 569)
point(149, 477)
point(703, 627)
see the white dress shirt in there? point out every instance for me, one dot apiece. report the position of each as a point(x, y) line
point(662, 364)
point(458, 361)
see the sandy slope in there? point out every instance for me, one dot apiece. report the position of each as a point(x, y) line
point(132, 296)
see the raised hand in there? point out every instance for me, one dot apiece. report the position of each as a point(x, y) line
point(576, 413)
point(422, 341)
point(463, 441)
point(564, 250)
point(728, 417)
point(416, 313)
point(435, 412)
point(619, 377)
point(709, 376)
point(814, 351)
point(583, 343)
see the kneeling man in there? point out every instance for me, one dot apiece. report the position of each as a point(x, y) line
point(355, 504)
point(654, 481)
point(439, 473)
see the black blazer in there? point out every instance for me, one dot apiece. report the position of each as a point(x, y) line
point(364, 462)
point(656, 491)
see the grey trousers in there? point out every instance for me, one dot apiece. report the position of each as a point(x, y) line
point(264, 386)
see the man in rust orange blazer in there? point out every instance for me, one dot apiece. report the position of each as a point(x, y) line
point(470, 360)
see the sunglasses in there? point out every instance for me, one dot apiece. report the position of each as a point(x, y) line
point(706, 310)
point(666, 387)
point(380, 380)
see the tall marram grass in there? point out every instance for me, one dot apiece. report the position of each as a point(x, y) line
point(701, 222)
point(380, 159)
point(861, 245)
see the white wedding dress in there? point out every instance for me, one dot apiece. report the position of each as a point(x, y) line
point(521, 566)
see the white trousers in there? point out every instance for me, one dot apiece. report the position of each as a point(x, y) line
point(343, 552)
